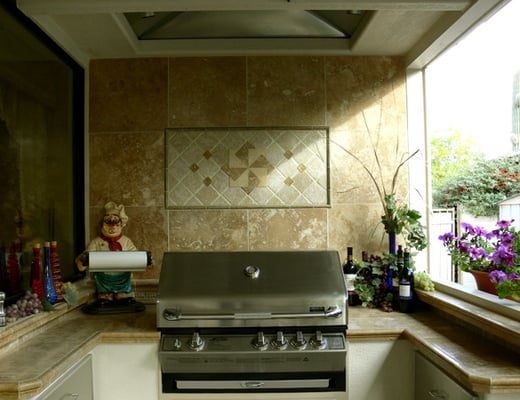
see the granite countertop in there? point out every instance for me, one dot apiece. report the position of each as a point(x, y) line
point(38, 349)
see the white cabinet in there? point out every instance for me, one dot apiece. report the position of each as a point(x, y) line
point(75, 384)
point(128, 371)
point(380, 370)
point(431, 383)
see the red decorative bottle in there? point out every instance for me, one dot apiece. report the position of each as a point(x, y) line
point(56, 270)
point(36, 272)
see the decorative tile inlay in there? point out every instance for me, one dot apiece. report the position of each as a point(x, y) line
point(247, 167)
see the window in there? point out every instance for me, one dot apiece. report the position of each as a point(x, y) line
point(41, 146)
point(472, 96)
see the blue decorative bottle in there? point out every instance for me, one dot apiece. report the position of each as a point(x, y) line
point(49, 290)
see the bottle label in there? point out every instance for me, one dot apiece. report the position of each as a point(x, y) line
point(395, 282)
point(405, 292)
point(349, 282)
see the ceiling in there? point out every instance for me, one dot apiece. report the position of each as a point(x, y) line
point(415, 29)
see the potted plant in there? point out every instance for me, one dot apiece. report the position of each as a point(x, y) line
point(492, 257)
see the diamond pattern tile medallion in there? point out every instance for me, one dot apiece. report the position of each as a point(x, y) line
point(247, 168)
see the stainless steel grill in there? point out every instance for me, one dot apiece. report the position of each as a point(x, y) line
point(266, 321)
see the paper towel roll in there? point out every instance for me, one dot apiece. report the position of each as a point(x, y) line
point(117, 261)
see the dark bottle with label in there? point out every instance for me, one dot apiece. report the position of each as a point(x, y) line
point(406, 286)
point(350, 274)
point(396, 277)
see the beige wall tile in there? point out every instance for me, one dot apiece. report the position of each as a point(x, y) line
point(302, 228)
point(207, 92)
point(128, 95)
point(208, 230)
point(127, 168)
point(286, 91)
point(357, 84)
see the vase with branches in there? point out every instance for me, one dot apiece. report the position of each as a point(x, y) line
point(397, 218)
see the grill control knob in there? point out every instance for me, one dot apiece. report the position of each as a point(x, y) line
point(318, 340)
point(177, 344)
point(196, 342)
point(280, 342)
point(260, 342)
point(299, 341)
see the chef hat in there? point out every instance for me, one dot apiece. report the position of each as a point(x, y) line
point(112, 208)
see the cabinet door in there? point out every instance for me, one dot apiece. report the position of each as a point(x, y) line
point(380, 370)
point(75, 384)
point(431, 383)
point(126, 371)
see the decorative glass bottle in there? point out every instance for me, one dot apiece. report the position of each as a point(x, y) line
point(36, 272)
point(49, 290)
point(56, 270)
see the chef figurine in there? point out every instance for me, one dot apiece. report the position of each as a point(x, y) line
point(114, 289)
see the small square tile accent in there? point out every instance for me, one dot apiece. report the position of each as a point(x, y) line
point(247, 168)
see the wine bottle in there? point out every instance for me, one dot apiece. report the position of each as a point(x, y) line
point(49, 290)
point(396, 277)
point(350, 274)
point(406, 285)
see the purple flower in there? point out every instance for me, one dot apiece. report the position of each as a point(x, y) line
point(497, 277)
point(448, 236)
point(466, 226)
point(502, 224)
point(481, 249)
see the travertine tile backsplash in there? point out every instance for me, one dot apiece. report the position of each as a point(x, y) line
point(133, 101)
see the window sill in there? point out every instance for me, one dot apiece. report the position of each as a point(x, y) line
point(497, 318)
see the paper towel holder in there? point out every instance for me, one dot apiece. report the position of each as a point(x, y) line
point(118, 261)
point(113, 262)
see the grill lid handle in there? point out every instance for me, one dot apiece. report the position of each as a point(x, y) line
point(174, 314)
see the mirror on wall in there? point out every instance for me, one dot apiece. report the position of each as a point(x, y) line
point(41, 148)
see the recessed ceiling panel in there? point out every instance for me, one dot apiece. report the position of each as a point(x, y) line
point(244, 24)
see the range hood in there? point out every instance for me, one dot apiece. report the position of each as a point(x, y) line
point(417, 30)
point(240, 24)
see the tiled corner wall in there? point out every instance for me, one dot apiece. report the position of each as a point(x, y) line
point(361, 100)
